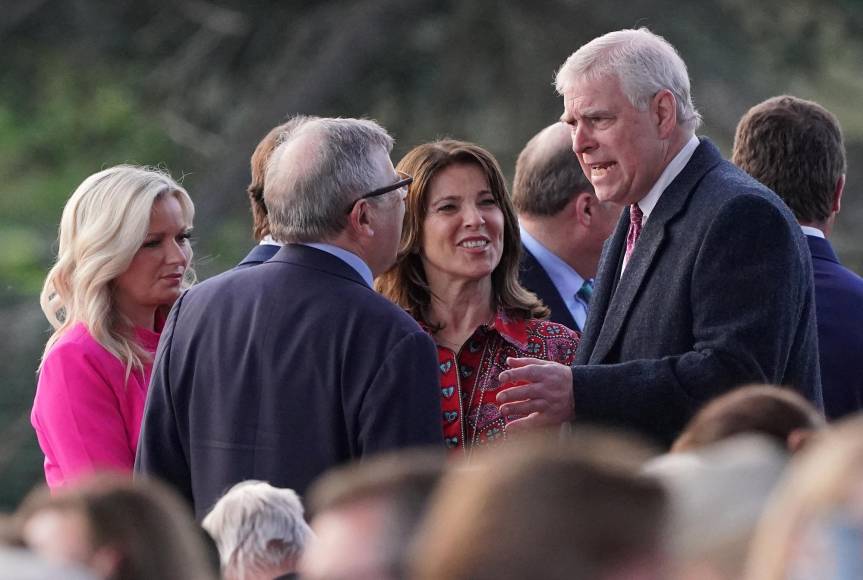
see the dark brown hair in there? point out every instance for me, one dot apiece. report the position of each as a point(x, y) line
point(795, 148)
point(774, 412)
point(405, 283)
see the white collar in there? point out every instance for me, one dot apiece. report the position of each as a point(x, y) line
point(814, 232)
point(269, 241)
point(672, 170)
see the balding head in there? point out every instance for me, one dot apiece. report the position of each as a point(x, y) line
point(317, 172)
point(547, 173)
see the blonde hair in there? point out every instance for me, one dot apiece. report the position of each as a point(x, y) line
point(823, 480)
point(104, 224)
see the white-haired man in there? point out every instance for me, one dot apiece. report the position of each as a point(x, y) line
point(281, 371)
point(259, 530)
point(705, 284)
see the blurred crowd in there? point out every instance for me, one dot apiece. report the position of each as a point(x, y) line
point(641, 361)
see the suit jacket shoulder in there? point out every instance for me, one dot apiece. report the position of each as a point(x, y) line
point(282, 371)
point(534, 277)
point(839, 304)
point(717, 293)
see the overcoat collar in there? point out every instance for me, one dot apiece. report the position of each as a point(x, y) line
point(617, 293)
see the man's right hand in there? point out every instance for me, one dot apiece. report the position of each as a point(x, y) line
point(543, 398)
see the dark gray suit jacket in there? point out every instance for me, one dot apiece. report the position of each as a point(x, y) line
point(718, 292)
point(280, 371)
point(259, 254)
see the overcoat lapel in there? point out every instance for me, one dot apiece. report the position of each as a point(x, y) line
point(672, 202)
point(606, 280)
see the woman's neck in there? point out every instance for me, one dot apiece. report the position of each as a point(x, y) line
point(460, 307)
point(140, 316)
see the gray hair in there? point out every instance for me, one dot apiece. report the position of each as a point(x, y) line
point(257, 528)
point(644, 63)
point(313, 176)
point(547, 173)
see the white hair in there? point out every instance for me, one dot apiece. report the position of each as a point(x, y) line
point(258, 528)
point(104, 224)
point(644, 63)
point(315, 174)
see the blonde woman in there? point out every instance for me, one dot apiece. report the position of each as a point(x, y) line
point(123, 259)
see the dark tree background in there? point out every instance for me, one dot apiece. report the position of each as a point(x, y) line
point(192, 85)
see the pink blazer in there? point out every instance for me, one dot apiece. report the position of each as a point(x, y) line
point(86, 417)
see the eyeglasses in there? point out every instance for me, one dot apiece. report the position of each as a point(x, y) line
point(400, 184)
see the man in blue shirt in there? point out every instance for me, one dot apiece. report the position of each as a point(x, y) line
point(563, 225)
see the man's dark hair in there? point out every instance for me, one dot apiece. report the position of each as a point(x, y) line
point(547, 173)
point(774, 412)
point(795, 148)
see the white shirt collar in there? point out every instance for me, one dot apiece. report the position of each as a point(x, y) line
point(814, 232)
point(269, 241)
point(672, 170)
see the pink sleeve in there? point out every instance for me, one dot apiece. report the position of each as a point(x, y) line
point(77, 414)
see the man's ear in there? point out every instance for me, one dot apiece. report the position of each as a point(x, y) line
point(664, 109)
point(837, 193)
point(360, 221)
point(586, 207)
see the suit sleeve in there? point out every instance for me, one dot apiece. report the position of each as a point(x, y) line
point(402, 407)
point(746, 290)
point(162, 448)
point(77, 414)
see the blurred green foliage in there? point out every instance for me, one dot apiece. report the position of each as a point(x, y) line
point(69, 124)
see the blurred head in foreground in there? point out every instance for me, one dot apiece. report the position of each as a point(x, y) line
point(365, 516)
point(781, 415)
point(541, 508)
point(259, 530)
point(813, 526)
point(117, 528)
point(717, 493)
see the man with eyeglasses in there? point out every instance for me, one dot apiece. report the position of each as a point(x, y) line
point(281, 371)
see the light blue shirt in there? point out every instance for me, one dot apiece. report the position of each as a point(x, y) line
point(566, 280)
point(350, 258)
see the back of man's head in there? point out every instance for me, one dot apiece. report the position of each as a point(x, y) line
point(545, 510)
point(259, 530)
point(795, 148)
point(774, 412)
point(366, 514)
point(547, 173)
point(315, 174)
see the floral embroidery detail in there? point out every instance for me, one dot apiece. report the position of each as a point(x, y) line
point(474, 370)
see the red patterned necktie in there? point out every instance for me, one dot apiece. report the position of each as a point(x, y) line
point(635, 216)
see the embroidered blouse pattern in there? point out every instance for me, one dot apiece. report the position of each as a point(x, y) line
point(469, 378)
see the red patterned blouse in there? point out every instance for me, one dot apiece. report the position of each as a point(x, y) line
point(469, 378)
